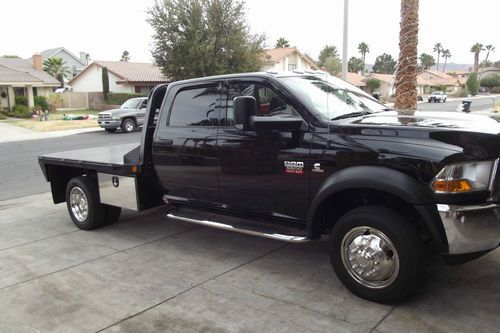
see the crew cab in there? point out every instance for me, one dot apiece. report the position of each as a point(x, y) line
point(298, 156)
point(437, 96)
point(128, 117)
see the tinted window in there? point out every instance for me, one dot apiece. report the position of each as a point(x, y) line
point(194, 107)
point(269, 104)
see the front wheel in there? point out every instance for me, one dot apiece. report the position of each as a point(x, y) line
point(377, 253)
point(128, 125)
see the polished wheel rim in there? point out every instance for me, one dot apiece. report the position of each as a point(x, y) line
point(129, 126)
point(370, 257)
point(79, 204)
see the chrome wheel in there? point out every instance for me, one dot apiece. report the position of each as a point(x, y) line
point(79, 204)
point(129, 125)
point(370, 257)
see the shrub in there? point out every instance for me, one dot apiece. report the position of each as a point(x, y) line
point(491, 81)
point(21, 100)
point(120, 98)
point(495, 90)
point(461, 93)
point(41, 102)
point(20, 111)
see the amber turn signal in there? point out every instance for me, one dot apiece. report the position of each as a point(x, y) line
point(452, 186)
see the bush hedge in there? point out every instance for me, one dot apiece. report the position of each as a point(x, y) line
point(21, 100)
point(491, 81)
point(495, 90)
point(19, 111)
point(41, 102)
point(120, 98)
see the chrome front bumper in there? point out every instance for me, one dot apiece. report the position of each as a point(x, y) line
point(471, 229)
point(109, 123)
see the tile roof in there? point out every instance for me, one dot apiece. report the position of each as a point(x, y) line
point(438, 74)
point(433, 78)
point(20, 68)
point(13, 75)
point(130, 71)
point(387, 78)
point(356, 79)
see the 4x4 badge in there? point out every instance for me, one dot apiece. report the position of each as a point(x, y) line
point(317, 168)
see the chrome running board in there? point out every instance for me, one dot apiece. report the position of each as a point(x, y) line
point(246, 231)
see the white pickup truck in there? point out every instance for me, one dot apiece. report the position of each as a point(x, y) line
point(437, 96)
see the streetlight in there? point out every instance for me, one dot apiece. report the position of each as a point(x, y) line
point(344, 48)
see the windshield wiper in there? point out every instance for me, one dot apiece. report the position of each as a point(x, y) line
point(350, 115)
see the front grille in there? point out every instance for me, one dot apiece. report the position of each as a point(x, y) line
point(104, 115)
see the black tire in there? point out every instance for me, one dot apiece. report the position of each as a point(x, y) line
point(86, 188)
point(409, 255)
point(112, 214)
point(128, 125)
point(110, 130)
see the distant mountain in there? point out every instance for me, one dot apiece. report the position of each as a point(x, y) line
point(450, 67)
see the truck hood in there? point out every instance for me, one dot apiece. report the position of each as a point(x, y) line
point(431, 120)
point(118, 111)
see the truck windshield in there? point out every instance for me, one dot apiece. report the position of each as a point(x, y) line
point(331, 99)
point(131, 104)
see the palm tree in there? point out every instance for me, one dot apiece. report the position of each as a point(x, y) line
point(363, 48)
point(476, 49)
point(438, 47)
point(406, 75)
point(56, 67)
point(489, 48)
point(282, 42)
point(427, 61)
point(446, 55)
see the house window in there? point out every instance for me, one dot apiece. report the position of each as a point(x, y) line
point(292, 67)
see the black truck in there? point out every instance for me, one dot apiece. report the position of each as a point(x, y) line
point(293, 157)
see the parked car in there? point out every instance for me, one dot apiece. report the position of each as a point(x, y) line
point(437, 96)
point(128, 117)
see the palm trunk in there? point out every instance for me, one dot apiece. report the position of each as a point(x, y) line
point(437, 65)
point(445, 60)
point(406, 76)
point(476, 61)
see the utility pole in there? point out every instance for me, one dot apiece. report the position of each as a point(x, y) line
point(344, 48)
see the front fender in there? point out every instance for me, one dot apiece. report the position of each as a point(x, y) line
point(381, 179)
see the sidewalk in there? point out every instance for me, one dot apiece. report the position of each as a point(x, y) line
point(10, 133)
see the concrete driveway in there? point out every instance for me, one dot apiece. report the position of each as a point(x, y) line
point(147, 273)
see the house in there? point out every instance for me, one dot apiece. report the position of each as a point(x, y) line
point(429, 80)
point(74, 64)
point(19, 77)
point(489, 71)
point(387, 84)
point(124, 77)
point(287, 59)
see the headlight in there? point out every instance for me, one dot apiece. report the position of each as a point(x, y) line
point(463, 177)
point(116, 117)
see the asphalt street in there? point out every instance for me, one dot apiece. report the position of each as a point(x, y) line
point(21, 174)
point(477, 105)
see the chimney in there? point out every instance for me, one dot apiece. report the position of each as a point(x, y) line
point(37, 61)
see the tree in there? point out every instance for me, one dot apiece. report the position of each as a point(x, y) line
point(384, 63)
point(125, 56)
point(489, 48)
point(496, 64)
point(194, 38)
point(355, 65)
point(56, 67)
point(282, 42)
point(372, 85)
point(446, 55)
point(476, 49)
point(329, 51)
point(427, 61)
point(472, 83)
point(105, 83)
point(332, 65)
point(491, 81)
point(11, 56)
point(406, 76)
point(438, 47)
point(363, 48)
